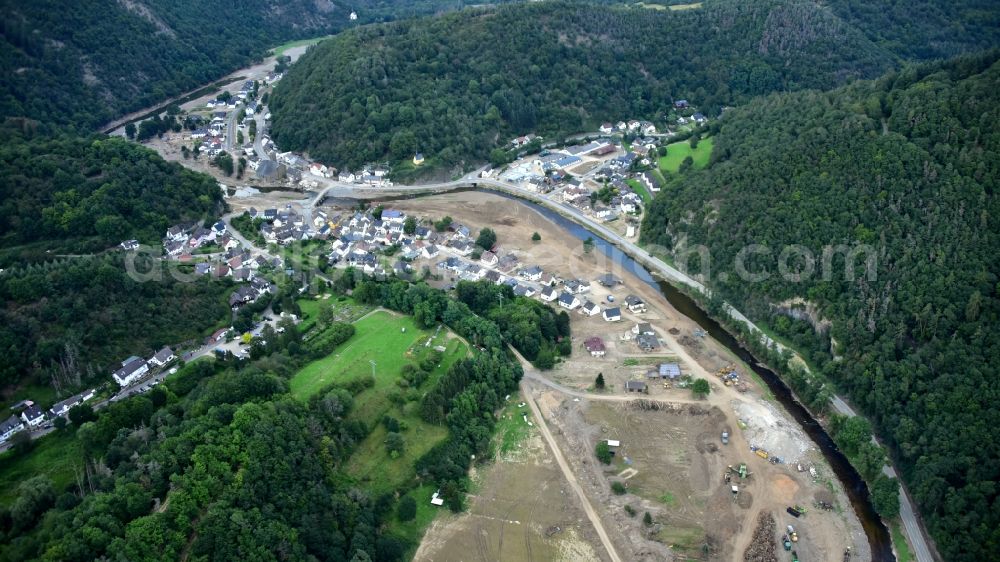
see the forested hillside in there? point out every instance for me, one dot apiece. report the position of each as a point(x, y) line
point(67, 322)
point(453, 86)
point(924, 29)
point(90, 193)
point(908, 165)
point(83, 63)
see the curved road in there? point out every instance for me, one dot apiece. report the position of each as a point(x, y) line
point(907, 514)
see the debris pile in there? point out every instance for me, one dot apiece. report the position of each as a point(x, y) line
point(762, 547)
point(770, 433)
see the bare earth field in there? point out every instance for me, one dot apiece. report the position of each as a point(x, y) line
point(522, 509)
point(676, 462)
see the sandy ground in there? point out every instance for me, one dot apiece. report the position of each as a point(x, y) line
point(679, 454)
point(257, 71)
point(522, 509)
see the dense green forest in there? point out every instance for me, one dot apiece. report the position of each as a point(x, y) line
point(924, 29)
point(220, 463)
point(430, 85)
point(83, 63)
point(67, 322)
point(908, 165)
point(94, 190)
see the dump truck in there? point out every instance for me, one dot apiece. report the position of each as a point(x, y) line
point(793, 512)
point(762, 453)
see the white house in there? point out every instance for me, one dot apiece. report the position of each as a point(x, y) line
point(595, 346)
point(627, 205)
point(612, 314)
point(533, 273)
point(62, 408)
point(33, 416)
point(162, 357)
point(131, 370)
point(635, 304)
point(549, 294)
point(394, 216)
point(590, 309)
point(568, 301)
point(9, 427)
point(489, 258)
point(318, 170)
point(577, 286)
point(607, 128)
point(431, 251)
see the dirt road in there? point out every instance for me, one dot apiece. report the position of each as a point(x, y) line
point(570, 477)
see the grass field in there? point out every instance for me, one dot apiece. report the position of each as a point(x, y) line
point(280, 50)
point(392, 341)
point(645, 195)
point(678, 151)
point(414, 530)
point(370, 462)
point(343, 310)
point(56, 455)
point(511, 428)
point(381, 337)
point(42, 395)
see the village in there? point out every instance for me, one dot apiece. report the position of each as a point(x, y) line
point(609, 175)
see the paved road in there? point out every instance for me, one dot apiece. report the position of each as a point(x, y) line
point(588, 508)
point(230, 144)
point(907, 515)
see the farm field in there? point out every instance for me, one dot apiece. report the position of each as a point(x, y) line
point(678, 151)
